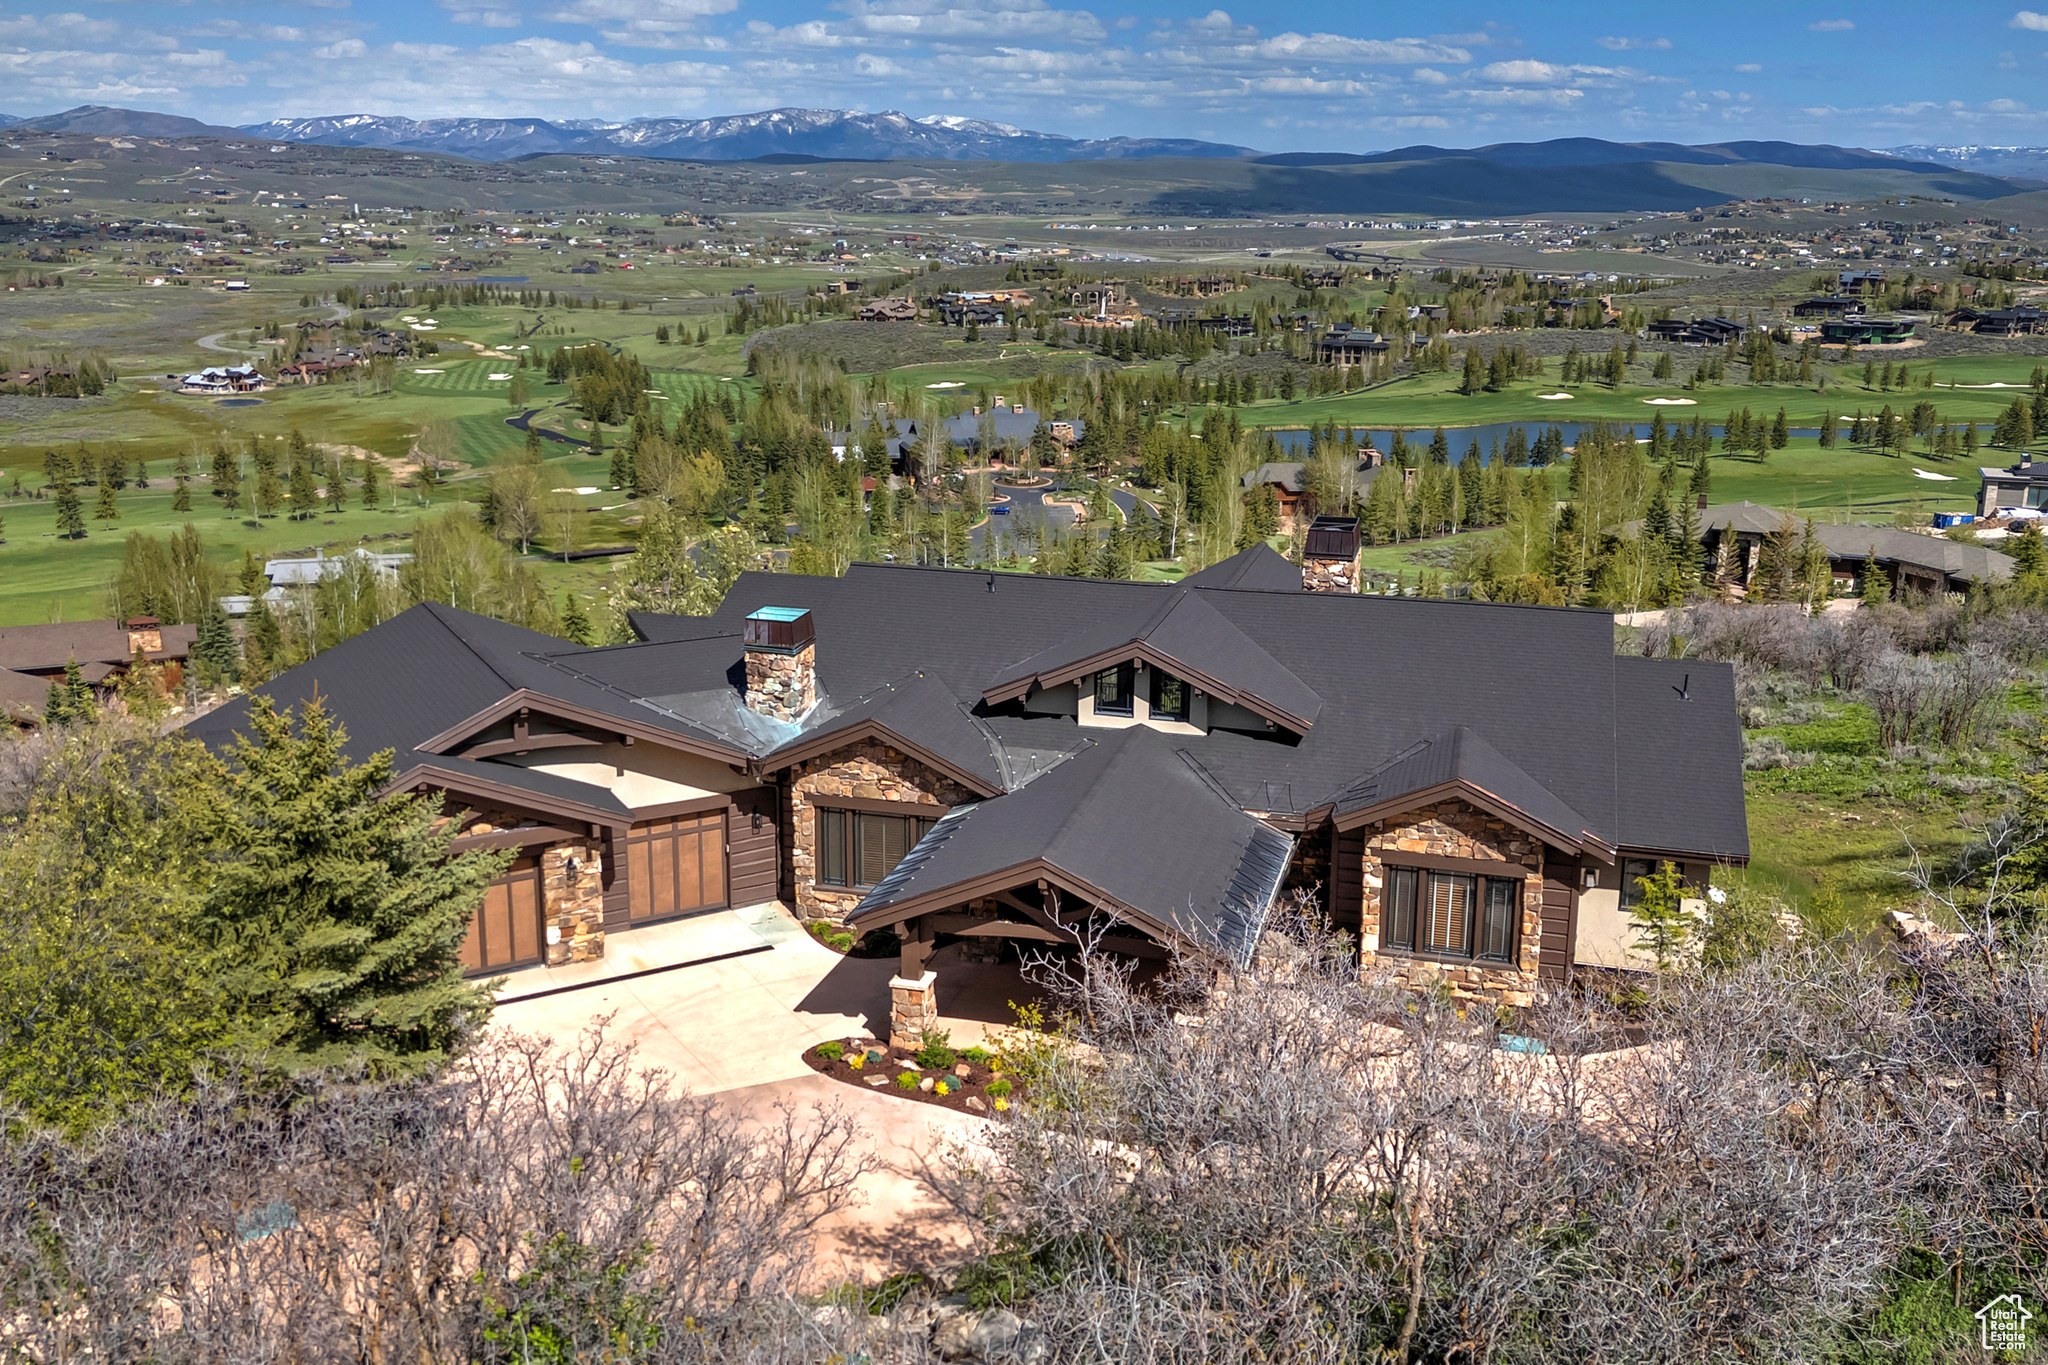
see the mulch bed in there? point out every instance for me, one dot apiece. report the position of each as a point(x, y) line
point(966, 1082)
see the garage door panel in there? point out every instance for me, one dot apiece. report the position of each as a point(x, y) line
point(505, 931)
point(676, 865)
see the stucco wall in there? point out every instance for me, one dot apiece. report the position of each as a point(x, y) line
point(869, 771)
point(639, 774)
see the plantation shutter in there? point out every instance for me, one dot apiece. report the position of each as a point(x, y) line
point(1401, 917)
point(874, 847)
point(1497, 941)
point(1450, 905)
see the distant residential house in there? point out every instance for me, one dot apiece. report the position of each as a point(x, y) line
point(1860, 282)
point(1345, 344)
point(219, 379)
point(2025, 320)
point(1289, 481)
point(290, 576)
point(889, 310)
point(1911, 562)
point(1867, 331)
point(2022, 484)
point(1697, 331)
point(31, 657)
point(1828, 306)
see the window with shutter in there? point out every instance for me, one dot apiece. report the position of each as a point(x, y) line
point(874, 850)
point(1450, 909)
point(1401, 917)
point(1497, 936)
point(832, 869)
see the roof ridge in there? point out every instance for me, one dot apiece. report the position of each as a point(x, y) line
point(434, 609)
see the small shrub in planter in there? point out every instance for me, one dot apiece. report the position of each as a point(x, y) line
point(980, 1056)
point(907, 1081)
point(934, 1054)
point(942, 1087)
point(831, 1052)
point(876, 1056)
point(857, 1061)
point(839, 943)
point(998, 1088)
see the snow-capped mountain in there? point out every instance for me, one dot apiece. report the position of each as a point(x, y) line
point(835, 133)
point(2031, 162)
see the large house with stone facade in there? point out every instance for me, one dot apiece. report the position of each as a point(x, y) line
point(1468, 790)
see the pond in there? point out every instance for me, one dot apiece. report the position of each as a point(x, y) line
point(238, 403)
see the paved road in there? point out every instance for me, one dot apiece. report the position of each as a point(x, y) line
point(336, 312)
point(1029, 509)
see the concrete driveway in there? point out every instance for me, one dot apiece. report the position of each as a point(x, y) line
point(736, 1024)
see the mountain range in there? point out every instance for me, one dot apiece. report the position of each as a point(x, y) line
point(835, 134)
point(1169, 174)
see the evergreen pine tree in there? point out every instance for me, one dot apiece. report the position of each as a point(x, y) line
point(370, 468)
point(70, 516)
point(1877, 589)
point(262, 643)
point(107, 509)
point(181, 499)
point(305, 491)
point(337, 918)
point(214, 651)
point(575, 622)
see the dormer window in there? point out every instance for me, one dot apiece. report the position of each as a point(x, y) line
point(1114, 688)
point(1169, 696)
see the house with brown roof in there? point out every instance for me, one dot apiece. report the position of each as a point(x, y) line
point(32, 657)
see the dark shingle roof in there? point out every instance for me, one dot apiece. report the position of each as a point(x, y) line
point(1461, 754)
point(1191, 633)
point(1678, 757)
point(33, 648)
point(1258, 569)
point(1127, 817)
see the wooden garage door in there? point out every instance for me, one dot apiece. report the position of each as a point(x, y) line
point(506, 930)
point(676, 865)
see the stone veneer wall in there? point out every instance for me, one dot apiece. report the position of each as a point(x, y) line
point(1454, 829)
point(868, 770)
point(1329, 575)
point(575, 905)
point(782, 685)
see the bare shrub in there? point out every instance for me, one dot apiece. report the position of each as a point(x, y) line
point(1899, 688)
point(2019, 633)
point(1238, 1169)
point(527, 1192)
point(1768, 751)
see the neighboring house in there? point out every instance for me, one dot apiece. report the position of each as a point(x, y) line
point(1012, 428)
point(1829, 306)
point(2022, 484)
point(1697, 331)
point(219, 379)
point(2001, 322)
point(1861, 330)
point(1860, 282)
point(288, 576)
point(1345, 344)
point(32, 657)
point(1910, 561)
point(958, 755)
point(889, 310)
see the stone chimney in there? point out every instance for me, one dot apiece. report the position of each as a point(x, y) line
point(782, 663)
point(1329, 558)
point(145, 635)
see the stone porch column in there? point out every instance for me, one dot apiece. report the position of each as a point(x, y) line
point(913, 1008)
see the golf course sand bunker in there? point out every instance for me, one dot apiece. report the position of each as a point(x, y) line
point(1552, 397)
point(1672, 402)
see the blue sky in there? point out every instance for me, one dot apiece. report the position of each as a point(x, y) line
point(1277, 76)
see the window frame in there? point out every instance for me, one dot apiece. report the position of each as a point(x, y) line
point(1408, 890)
point(1126, 675)
point(1160, 679)
point(840, 849)
point(1632, 894)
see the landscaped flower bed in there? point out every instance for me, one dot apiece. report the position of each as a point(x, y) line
point(966, 1079)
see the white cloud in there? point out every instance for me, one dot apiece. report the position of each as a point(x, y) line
point(348, 49)
point(485, 13)
point(1423, 75)
point(1329, 47)
point(2026, 18)
point(640, 23)
point(996, 21)
point(1525, 71)
point(1632, 44)
point(1411, 121)
point(1554, 99)
point(1830, 26)
point(1749, 68)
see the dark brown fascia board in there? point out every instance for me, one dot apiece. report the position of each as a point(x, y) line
point(556, 708)
point(1683, 856)
point(1036, 870)
point(870, 729)
point(1138, 649)
point(1576, 843)
point(491, 748)
point(466, 784)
